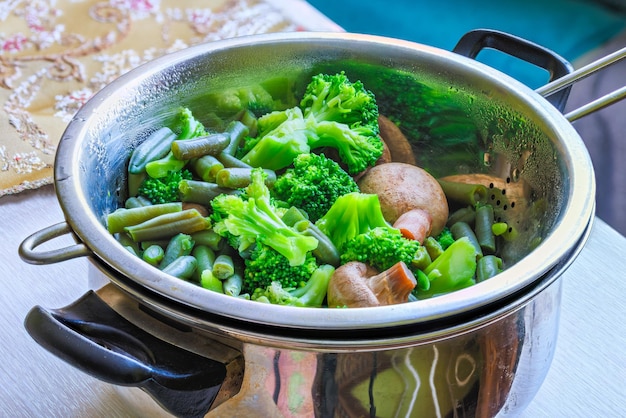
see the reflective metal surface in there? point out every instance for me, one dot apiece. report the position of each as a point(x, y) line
point(545, 152)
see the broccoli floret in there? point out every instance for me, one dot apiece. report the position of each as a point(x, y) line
point(333, 113)
point(312, 294)
point(333, 98)
point(164, 189)
point(445, 238)
point(359, 147)
point(381, 248)
point(313, 184)
point(266, 265)
point(228, 102)
point(188, 126)
point(351, 214)
point(252, 217)
point(282, 136)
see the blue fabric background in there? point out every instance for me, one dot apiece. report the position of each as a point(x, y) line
point(568, 27)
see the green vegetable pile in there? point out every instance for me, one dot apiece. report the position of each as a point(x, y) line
point(260, 202)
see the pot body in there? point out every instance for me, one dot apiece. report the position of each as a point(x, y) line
point(484, 367)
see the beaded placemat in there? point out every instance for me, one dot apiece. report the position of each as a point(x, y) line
point(54, 55)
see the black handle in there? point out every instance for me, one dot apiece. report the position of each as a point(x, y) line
point(91, 336)
point(475, 41)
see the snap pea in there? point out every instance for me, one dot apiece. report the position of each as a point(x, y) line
point(155, 146)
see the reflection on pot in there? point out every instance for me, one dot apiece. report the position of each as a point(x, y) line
point(482, 373)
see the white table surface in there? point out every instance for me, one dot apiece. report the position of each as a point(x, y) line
point(587, 377)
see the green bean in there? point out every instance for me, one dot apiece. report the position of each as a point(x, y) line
point(223, 266)
point(122, 218)
point(186, 149)
point(134, 182)
point(230, 161)
point(466, 214)
point(487, 267)
point(153, 254)
point(160, 168)
point(482, 229)
point(154, 147)
point(137, 202)
point(250, 121)
point(433, 248)
point(209, 281)
point(205, 257)
point(423, 282)
point(464, 193)
point(462, 229)
point(237, 131)
point(206, 167)
point(210, 238)
point(232, 286)
point(237, 177)
point(326, 252)
point(422, 259)
point(202, 192)
point(180, 245)
point(183, 267)
point(128, 243)
point(165, 226)
point(293, 215)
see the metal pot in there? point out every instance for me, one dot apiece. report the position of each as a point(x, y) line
point(480, 351)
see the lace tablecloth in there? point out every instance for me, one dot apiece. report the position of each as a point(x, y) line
point(55, 54)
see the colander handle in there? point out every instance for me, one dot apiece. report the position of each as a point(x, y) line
point(566, 82)
point(28, 253)
point(92, 337)
point(475, 41)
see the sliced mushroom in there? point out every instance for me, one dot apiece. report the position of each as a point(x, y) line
point(356, 284)
point(415, 224)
